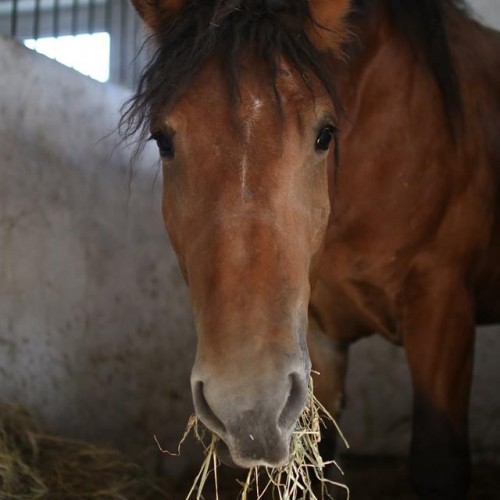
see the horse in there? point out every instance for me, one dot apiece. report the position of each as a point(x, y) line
point(331, 171)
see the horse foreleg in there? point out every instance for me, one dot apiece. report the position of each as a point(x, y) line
point(438, 329)
point(329, 363)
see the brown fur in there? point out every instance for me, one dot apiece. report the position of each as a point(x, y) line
point(330, 15)
point(413, 247)
point(403, 241)
point(156, 12)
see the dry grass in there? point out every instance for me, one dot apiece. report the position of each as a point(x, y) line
point(303, 478)
point(35, 465)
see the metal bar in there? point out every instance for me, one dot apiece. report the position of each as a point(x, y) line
point(136, 69)
point(123, 40)
point(36, 20)
point(13, 19)
point(91, 17)
point(111, 21)
point(55, 18)
point(108, 15)
point(74, 17)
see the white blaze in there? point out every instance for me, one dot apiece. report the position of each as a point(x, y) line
point(248, 126)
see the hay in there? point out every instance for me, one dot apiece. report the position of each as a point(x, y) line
point(35, 465)
point(293, 481)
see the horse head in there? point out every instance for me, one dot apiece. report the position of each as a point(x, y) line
point(239, 101)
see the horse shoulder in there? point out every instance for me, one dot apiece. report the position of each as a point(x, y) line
point(477, 52)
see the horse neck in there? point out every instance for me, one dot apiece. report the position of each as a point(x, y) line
point(382, 74)
point(365, 53)
point(376, 39)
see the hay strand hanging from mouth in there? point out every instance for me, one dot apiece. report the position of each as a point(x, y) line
point(293, 481)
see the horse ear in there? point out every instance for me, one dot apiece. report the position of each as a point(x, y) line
point(156, 12)
point(329, 27)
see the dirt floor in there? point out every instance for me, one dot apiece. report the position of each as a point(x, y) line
point(375, 479)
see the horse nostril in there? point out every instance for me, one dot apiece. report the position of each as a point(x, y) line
point(208, 417)
point(295, 402)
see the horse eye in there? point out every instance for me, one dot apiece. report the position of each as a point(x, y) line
point(165, 144)
point(325, 138)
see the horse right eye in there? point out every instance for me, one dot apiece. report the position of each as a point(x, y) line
point(165, 144)
point(325, 138)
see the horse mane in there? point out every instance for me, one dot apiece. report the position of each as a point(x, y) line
point(233, 29)
point(424, 25)
point(269, 29)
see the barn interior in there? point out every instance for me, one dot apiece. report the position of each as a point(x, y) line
point(97, 338)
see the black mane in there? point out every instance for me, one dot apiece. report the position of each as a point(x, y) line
point(269, 28)
point(424, 24)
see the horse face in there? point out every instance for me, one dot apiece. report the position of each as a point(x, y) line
point(246, 205)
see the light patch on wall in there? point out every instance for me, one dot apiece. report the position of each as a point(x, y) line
point(89, 53)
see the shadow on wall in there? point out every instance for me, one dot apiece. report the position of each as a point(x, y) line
point(96, 335)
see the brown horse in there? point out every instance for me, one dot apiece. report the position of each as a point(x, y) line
point(333, 160)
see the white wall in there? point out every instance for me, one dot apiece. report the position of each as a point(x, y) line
point(95, 329)
point(488, 11)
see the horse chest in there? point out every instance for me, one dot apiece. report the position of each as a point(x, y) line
point(359, 295)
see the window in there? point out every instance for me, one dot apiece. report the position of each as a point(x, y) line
point(88, 54)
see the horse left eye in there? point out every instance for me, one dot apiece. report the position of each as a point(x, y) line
point(165, 144)
point(325, 138)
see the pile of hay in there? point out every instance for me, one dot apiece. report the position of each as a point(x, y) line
point(35, 465)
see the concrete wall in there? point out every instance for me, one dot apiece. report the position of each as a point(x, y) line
point(487, 11)
point(96, 333)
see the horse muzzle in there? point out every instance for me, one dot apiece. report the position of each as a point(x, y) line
point(255, 418)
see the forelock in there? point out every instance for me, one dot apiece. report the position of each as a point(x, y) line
point(232, 29)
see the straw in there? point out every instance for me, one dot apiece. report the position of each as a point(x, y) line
point(293, 481)
point(36, 465)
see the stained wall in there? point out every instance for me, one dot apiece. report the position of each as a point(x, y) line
point(96, 336)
